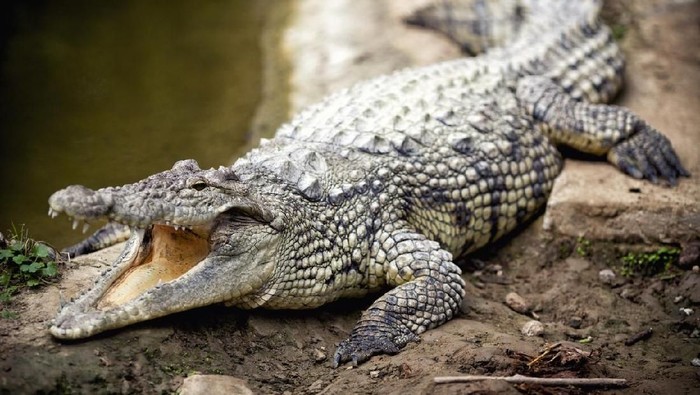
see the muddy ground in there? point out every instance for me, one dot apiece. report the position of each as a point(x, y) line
point(289, 351)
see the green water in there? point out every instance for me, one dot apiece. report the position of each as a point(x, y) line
point(104, 93)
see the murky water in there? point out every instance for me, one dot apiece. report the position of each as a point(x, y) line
point(104, 93)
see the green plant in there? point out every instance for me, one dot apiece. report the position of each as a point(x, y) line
point(649, 263)
point(24, 263)
point(618, 31)
point(583, 246)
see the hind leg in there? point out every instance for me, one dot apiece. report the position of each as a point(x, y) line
point(627, 141)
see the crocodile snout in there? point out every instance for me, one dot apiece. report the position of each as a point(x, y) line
point(81, 202)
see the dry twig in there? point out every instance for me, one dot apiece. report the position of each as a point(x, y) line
point(520, 379)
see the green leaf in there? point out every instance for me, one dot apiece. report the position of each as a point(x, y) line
point(32, 282)
point(50, 270)
point(40, 250)
point(20, 259)
point(35, 266)
point(6, 254)
point(24, 268)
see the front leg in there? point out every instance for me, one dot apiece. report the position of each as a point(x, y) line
point(429, 290)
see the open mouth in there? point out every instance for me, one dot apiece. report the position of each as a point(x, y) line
point(165, 254)
point(154, 257)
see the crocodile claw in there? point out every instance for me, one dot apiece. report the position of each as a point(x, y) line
point(359, 347)
point(648, 154)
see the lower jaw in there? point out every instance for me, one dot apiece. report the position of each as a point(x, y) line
point(165, 254)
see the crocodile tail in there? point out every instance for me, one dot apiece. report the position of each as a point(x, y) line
point(475, 25)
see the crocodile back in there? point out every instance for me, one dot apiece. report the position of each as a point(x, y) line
point(447, 145)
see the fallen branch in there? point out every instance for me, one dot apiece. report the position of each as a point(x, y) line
point(643, 335)
point(520, 379)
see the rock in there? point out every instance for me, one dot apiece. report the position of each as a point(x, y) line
point(316, 386)
point(686, 311)
point(606, 276)
point(690, 255)
point(532, 328)
point(517, 303)
point(695, 362)
point(319, 355)
point(575, 322)
point(207, 384)
point(374, 374)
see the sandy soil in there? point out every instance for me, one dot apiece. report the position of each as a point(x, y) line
point(289, 351)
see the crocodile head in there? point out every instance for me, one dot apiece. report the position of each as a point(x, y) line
point(198, 237)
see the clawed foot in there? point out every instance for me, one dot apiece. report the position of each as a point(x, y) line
point(361, 346)
point(648, 154)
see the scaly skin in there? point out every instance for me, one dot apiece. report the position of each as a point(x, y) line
point(379, 185)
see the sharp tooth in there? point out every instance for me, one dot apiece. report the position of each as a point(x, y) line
point(50, 212)
point(86, 226)
point(54, 214)
point(75, 224)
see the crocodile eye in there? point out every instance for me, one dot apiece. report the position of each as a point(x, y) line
point(198, 185)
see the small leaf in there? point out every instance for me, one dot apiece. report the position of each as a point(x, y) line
point(32, 282)
point(40, 250)
point(20, 259)
point(35, 266)
point(6, 254)
point(50, 270)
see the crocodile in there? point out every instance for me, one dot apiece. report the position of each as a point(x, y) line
point(379, 187)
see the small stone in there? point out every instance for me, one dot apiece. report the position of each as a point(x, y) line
point(686, 311)
point(517, 303)
point(606, 276)
point(316, 386)
point(319, 355)
point(532, 328)
point(575, 322)
point(690, 255)
point(696, 269)
point(374, 374)
point(678, 299)
point(628, 293)
point(695, 362)
point(205, 384)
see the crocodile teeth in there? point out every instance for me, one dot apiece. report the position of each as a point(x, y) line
point(75, 224)
point(86, 226)
point(53, 213)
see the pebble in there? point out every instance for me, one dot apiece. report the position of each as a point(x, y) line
point(678, 299)
point(696, 269)
point(374, 374)
point(695, 362)
point(517, 303)
point(575, 322)
point(606, 276)
point(319, 355)
point(532, 328)
point(686, 311)
point(214, 384)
